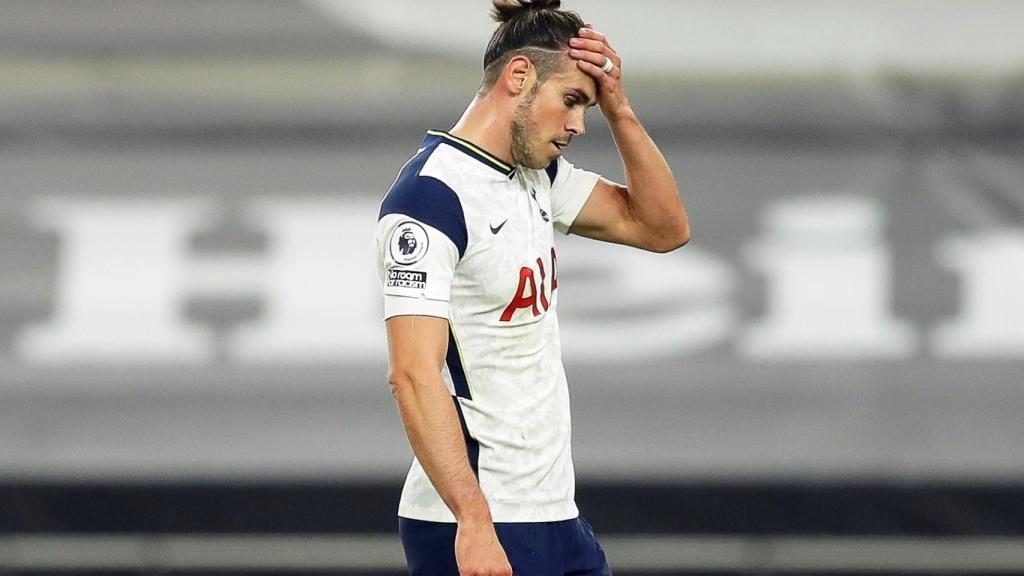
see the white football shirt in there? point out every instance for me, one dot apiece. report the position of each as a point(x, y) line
point(463, 236)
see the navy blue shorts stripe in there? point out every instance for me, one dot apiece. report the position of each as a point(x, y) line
point(561, 548)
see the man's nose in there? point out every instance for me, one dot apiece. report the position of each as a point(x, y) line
point(576, 126)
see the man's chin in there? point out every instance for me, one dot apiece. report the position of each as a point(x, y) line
point(534, 163)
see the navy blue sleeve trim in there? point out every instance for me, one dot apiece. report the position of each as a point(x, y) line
point(552, 170)
point(429, 201)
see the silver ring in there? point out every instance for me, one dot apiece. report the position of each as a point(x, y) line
point(608, 65)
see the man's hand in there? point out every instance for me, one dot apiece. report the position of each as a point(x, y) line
point(478, 551)
point(647, 212)
point(590, 51)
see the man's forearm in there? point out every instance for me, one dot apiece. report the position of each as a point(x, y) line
point(435, 434)
point(653, 196)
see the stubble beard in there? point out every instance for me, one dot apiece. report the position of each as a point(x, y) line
point(522, 127)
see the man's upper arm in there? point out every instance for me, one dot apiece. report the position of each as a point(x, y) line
point(421, 236)
point(417, 345)
point(588, 205)
point(606, 216)
point(570, 190)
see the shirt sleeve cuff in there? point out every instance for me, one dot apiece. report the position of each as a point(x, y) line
point(582, 185)
point(406, 306)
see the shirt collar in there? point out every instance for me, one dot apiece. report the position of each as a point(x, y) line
point(470, 149)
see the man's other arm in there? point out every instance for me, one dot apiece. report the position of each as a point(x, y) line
point(417, 346)
point(648, 212)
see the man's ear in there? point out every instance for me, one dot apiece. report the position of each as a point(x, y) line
point(518, 74)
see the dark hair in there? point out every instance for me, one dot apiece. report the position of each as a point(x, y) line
point(536, 29)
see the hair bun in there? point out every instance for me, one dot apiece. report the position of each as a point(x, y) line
point(505, 10)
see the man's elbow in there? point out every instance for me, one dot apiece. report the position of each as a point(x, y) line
point(401, 382)
point(410, 382)
point(671, 240)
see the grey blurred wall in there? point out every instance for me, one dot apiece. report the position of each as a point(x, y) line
point(189, 194)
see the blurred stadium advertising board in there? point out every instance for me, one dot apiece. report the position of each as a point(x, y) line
point(640, 554)
point(125, 268)
point(842, 312)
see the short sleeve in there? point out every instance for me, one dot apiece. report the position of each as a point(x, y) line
point(570, 189)
point(416, 264)
point(421, 236)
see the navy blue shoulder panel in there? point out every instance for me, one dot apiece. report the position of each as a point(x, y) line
point(427, 200)
point(552, 170)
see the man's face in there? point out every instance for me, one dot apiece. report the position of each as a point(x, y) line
point(551, 115)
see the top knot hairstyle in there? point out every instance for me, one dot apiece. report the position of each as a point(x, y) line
point(537, 29)
point(505, 10)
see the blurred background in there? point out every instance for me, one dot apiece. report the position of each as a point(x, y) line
point(828, 379)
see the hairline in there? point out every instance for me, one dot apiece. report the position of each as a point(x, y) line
point(525, 51)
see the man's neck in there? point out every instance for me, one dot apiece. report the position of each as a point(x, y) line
point(486, 125)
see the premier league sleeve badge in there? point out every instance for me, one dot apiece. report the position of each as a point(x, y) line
point(409, 243)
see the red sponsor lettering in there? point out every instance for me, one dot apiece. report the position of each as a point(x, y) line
point(521, 299)
point(543, 297)
point(527, 295)
point(554, 271)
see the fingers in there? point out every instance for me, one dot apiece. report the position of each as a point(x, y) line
point(589, 33)
point(593, 49)
point(592, 45)
point(588, 56)
point(593, 70)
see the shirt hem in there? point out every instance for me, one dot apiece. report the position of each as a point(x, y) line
point(395, 305)
point(507, 513)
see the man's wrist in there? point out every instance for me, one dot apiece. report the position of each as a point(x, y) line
point(622, 114)
point(473, 511)
point(476, 518)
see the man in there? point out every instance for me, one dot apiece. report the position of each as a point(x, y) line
point(469, 269)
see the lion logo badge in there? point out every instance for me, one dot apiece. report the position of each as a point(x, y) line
point(409, 243)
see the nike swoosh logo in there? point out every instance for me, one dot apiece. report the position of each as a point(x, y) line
point(496, 229)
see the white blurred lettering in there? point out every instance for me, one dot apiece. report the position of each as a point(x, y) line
point(628, 304)
point(125, 271)
point(120, 283)
point(828, 283)
point(991, 320)
point(322, 301)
